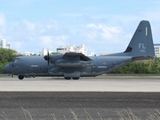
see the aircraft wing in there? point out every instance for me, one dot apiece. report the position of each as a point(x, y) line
point(73, 55)
point(72, 59)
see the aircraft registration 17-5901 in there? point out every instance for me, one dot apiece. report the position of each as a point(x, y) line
point(75, 65)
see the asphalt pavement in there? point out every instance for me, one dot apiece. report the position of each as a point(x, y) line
point(78, 105)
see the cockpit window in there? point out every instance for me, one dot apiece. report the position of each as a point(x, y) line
point(15, 60)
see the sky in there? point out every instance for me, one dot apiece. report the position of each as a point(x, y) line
point(101, 25)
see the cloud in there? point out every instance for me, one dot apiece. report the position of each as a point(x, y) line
point(28, 36)
point(46, 40)
point(103, 33)
point(53, 41)
point(2, 19)
point(30, 26)
point(17, 45)
point(94, 27)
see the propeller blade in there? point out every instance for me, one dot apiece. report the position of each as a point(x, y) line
point(47, 57)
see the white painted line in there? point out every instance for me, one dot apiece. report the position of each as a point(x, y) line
point(146, 31)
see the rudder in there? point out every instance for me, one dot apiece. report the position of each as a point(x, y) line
point(141, 44)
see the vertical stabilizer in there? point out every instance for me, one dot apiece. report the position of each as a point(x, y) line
point(141, 44)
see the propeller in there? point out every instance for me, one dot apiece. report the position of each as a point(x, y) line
point(47, 57)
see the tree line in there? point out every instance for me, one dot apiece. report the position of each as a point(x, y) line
point(138, 67)
point(151, 66)
point(6, 55)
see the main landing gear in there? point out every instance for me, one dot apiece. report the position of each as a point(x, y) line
point(21, 77)
point(74, 78)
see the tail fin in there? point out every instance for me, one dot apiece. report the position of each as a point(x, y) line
point(141, 44)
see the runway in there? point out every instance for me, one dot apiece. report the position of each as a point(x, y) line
point(84, 99)
point(82, 85)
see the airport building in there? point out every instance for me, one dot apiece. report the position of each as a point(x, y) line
point(68, 48)
point(157, 50)
point(4, 44)
point(44, 52)
point(72, 48)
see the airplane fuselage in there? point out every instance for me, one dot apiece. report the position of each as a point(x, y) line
point(37, 66)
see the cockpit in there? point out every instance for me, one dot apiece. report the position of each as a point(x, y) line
point(15, 60)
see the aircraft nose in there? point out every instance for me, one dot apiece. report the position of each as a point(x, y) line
point(6, 69)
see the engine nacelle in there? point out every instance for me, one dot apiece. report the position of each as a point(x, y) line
point(55, 57)
point(66, 63)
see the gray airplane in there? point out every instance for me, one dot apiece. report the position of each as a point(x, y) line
point(76, 65)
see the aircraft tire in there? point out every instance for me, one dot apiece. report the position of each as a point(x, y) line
point(75, 78)
point(67, 78)
point(21, 77)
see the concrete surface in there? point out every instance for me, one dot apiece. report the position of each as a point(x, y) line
point(81, 85)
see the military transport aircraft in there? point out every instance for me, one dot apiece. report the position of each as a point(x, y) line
point(76, 65)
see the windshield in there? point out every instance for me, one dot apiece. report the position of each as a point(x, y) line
point(15, 60)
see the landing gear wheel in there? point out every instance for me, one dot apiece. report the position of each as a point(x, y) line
point(75, 78)
point(21, 77)
point(67, 78)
